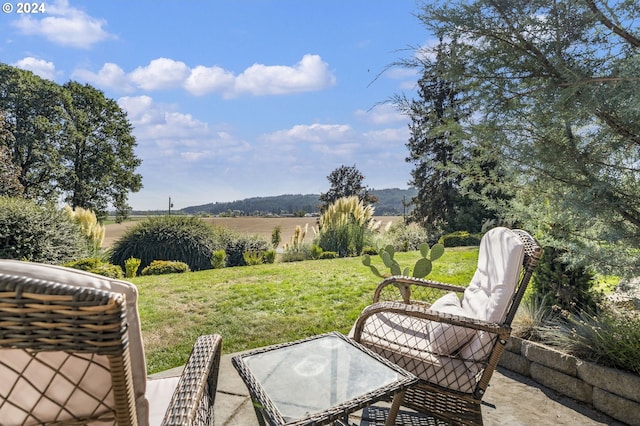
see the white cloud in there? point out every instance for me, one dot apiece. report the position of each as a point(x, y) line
point(309, 74)
point(110, 75)
point(168, 136)
point(203, 80)
point(311, 133)
point(65, 25)
point(40, 67)
point(161, 73)
point(381, 114)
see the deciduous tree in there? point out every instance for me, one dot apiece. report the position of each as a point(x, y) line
point(345, 182)
point(98, 152)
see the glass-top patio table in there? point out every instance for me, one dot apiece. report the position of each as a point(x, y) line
point(319, 380)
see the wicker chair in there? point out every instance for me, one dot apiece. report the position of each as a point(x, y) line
point(452, 344)
point(71, 353)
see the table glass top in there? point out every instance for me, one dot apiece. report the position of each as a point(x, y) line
point(314, 375)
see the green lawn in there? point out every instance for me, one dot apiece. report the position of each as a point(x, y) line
point(254, 306)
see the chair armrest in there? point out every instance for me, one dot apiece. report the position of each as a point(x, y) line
point(404, 286)
point(417, 311)
point(196, 389)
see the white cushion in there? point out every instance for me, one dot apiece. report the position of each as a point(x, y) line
point(489, 294)
point(444, 338)
point(159, 393)
point(385, 333)
point(493, 285)
point(79, 278)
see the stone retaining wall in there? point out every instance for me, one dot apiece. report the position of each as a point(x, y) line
point(613, 392)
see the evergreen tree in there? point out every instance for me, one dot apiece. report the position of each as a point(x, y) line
point(553, 90)
point(440, 204)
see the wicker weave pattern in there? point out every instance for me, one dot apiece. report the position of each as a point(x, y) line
point(44, 322)
point(64, 359)
point(452, 382)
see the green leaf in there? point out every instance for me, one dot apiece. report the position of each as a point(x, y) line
point(423, 268)
point(389, 249)
point(387, 259)
point(406, 271)
point(437, 251)
point(395, 268)
point(375, 271)
point(366, 260)
point(424, 250)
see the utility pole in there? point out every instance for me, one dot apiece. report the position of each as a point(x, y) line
point(170, 205)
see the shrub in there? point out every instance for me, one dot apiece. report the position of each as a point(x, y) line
point(608, 338)
point(568, 288)
point(181, 238)
point(460, 239)
point(219, 259)
point(276, 236)
point(92, 230)
point(235, 244)
point(161, 267)
point(38, 233)
point(253, 257)
point(328, 255)
point(344, 227)
point(302, 252)
point(315, 251)
point(131, 266)
point(270, 256)
point(405, 237)
point(96, 266)
point(372, 251)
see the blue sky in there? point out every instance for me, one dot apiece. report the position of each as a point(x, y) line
point(236, 99)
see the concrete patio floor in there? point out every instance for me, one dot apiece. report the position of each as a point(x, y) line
point(511, 399)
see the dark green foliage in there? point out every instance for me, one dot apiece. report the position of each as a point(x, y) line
point(219, 259)
point(328, 255)
point(38, 233)
point(181, 238)
point(161, 267)
point(553, 93)
point(372, 251)
point(96, 266)
point(99, 149)
point(346, 182)
point(235, 244)
point(567, 288)
point(67, 142)
point(276, 236)
point(460, 239)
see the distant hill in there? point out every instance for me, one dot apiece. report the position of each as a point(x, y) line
point(390, 203)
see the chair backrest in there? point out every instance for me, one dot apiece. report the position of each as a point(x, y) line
point(66, 347)
point(495, 280)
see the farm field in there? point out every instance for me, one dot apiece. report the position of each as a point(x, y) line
point(247, 224)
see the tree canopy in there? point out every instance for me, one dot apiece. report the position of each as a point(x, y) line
point(346, 181)
point(555, 98)
point(68, 142)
